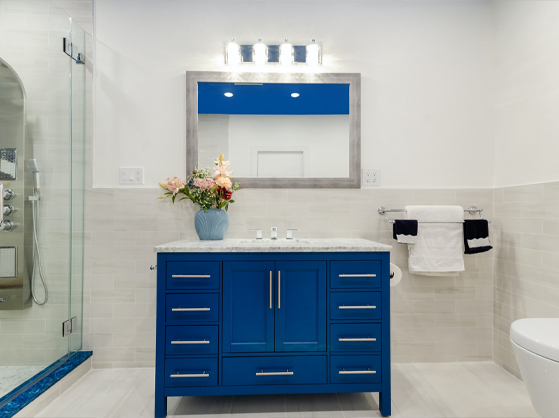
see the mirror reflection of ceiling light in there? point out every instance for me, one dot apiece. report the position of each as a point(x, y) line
point(295, 95)
point(260, 53)
point(228, 94)
point(314, 57)
point(232, 53)
point(286, 53)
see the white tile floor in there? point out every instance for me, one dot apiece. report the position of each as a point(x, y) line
point(419, 390)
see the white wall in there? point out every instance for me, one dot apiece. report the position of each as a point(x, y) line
point(326, 136)
point(527, 92)
point(427, 71)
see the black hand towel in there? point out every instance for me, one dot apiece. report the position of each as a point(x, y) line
point(476, 236)
point(405, 231)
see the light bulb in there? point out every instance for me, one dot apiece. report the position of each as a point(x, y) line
point(260, 53)
point(286, 53)
point(314, 56)
point(232, 53)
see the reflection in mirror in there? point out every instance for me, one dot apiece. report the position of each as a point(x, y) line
point(276, 130)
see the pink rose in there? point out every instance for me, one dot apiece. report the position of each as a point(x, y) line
point(224, 182)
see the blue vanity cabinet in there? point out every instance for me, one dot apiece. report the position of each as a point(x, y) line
point(248, 306)
point(245, 323)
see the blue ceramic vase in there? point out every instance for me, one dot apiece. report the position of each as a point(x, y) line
point(211, 225)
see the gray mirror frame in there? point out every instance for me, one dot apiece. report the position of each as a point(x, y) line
point(354, 81)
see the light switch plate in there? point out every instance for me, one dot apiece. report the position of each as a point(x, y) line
point(370, 177)
point(131, 175)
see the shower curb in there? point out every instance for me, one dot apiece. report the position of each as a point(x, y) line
point(56, 372)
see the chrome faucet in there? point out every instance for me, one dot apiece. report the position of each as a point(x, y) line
point(274, 233)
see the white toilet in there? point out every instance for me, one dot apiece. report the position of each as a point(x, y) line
point(536, 346)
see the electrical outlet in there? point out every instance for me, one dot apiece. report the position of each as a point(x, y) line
point(131, 175)
point(370, 177)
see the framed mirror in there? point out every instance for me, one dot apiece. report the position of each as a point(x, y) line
point(278, 130)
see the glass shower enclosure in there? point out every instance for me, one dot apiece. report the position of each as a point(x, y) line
point(43, 85)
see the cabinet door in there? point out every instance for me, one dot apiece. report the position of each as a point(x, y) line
point(301, 306)
point(248, 309)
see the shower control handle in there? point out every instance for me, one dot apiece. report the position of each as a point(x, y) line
point(7, 210)
point(6, 226)
point(8, 194)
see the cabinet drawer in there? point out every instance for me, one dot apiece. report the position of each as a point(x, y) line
point(355, 274)
point(191, 339)
point(355, 305)
point(355, 369)
point(192, 275)
point(192, 307)
point(355, 337)
point(292, 370)
point(191, 372)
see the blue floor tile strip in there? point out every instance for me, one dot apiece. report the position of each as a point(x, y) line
point(58, 370)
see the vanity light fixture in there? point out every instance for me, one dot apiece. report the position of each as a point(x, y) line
point(233, 53)
point(295, 94)
point(228, 94)
point(260, 53)
point(314, 57)
point(286, 53)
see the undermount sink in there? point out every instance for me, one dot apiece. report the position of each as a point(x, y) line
point(275, 241)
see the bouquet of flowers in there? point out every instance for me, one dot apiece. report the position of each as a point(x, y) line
point(209, 188)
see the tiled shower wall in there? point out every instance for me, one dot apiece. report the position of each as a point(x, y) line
point(527, 261)
point(434, 319)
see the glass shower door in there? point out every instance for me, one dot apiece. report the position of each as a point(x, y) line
point(77, 168)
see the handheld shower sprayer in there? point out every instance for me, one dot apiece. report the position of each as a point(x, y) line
point(37, 265)
point(36, 176)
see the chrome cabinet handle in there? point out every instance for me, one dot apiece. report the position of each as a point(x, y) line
point(279, 289)
point(189, 309)
point(191, 276)
point(190, 342)
point(357, 275)
point(286, 373)
point(204, 374)
point(358, 372)
point(270, 290)
point(357, 307)
point(357, 339)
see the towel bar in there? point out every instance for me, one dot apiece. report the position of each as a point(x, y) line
point(471, 209)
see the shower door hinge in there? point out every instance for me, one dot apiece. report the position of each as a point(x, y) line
point(69, 326)
point(72, 51)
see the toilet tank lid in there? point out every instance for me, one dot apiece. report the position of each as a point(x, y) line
point(538, 335)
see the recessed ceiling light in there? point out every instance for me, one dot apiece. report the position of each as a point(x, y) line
point(294, 94)
point(228, 94)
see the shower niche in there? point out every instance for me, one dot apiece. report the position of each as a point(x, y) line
point(16, 237)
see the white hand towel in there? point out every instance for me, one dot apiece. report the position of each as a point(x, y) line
point(438, 251)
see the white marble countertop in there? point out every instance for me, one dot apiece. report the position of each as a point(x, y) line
point(269, 246)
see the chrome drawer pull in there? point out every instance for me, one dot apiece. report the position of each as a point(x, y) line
point(357, 339)
point(357, 307)
point(358, 372)
point(190, 309)
point(190, 342)
point(270, 290)
point(203, 374)
point(358, 275)
point(191, 276)
point(286, 373)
